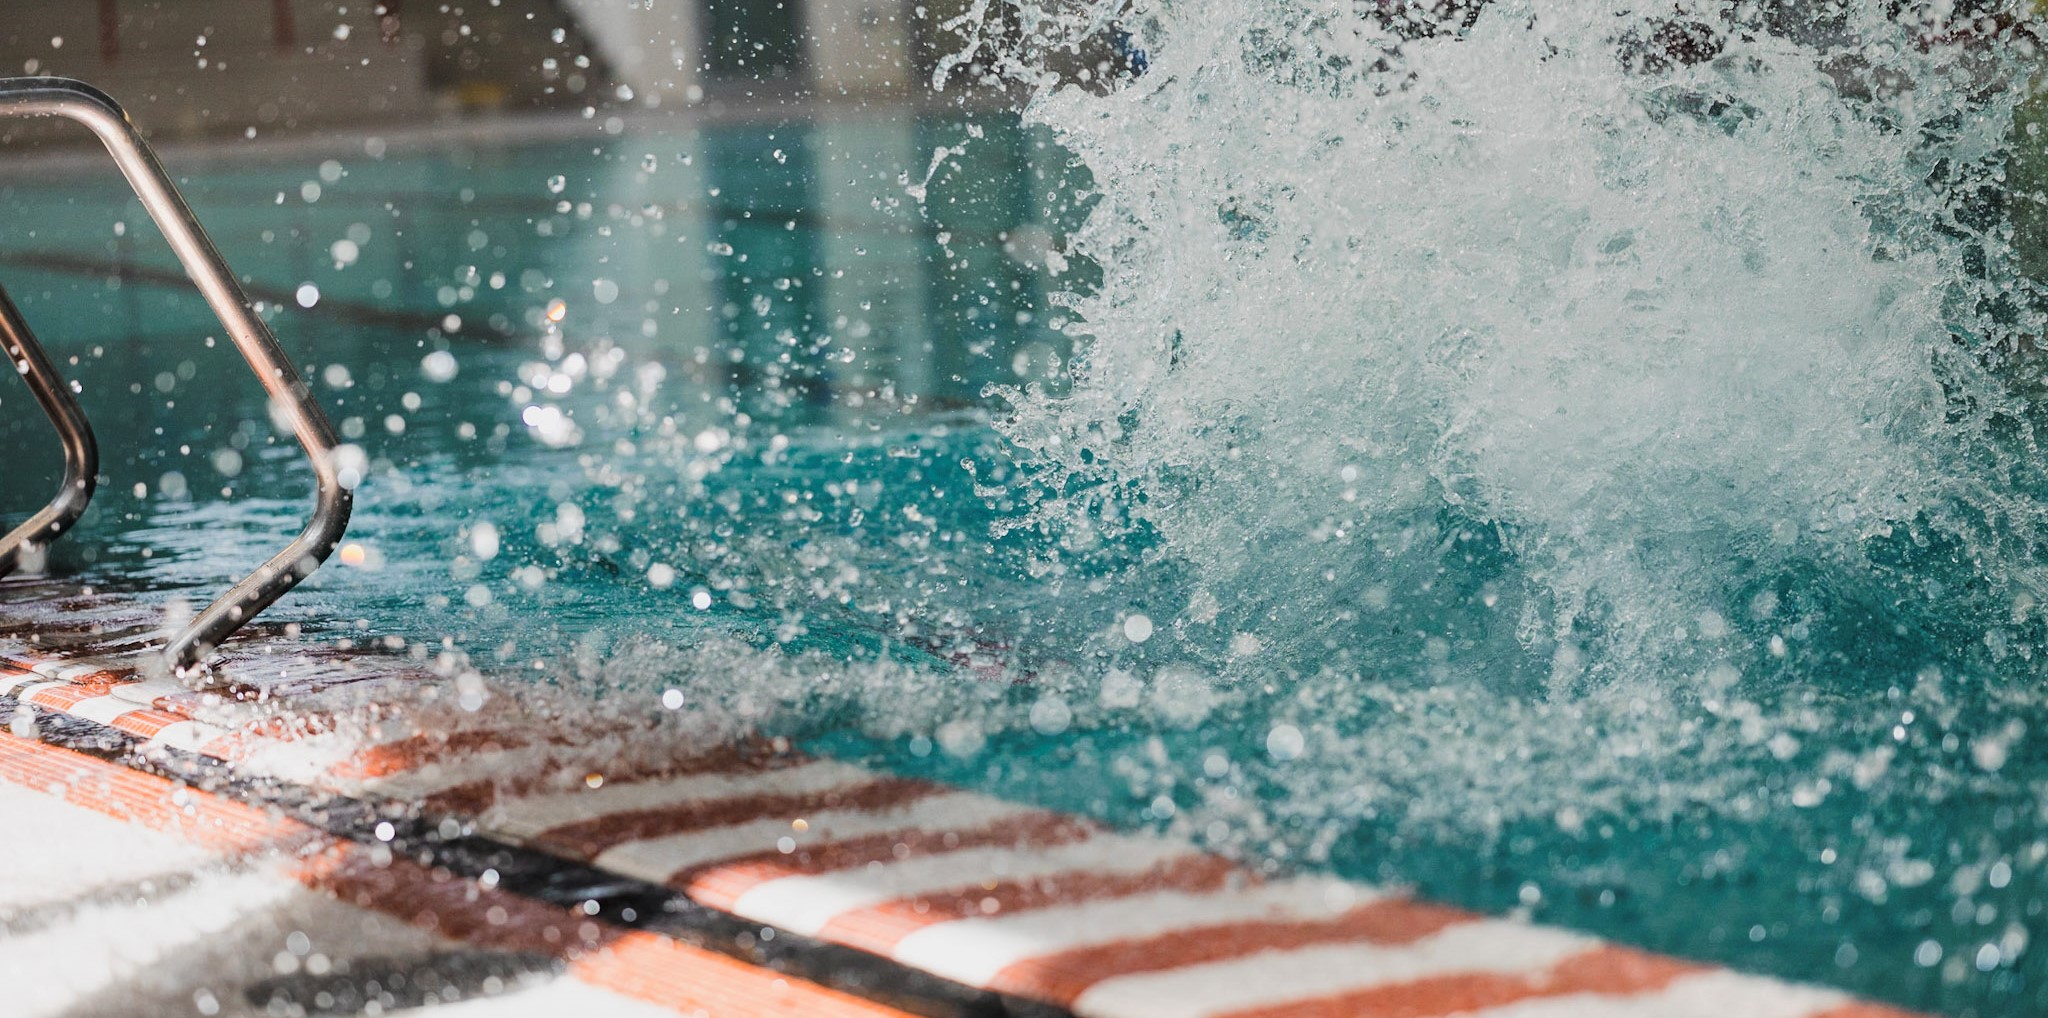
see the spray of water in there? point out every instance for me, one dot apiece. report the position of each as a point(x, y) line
point(1493, 412)
point(1672, 308)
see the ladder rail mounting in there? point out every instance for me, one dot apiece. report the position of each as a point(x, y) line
point(290, 399)
point(74, 432)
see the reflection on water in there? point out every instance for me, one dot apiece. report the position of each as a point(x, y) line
point(528, 332)
point(463, 310)
point(823, 266)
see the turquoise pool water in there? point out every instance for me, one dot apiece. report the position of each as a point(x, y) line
point(708, 413)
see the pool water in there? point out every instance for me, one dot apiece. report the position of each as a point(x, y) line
point(746, 420)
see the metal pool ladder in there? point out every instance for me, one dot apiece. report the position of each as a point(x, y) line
point(290, 400)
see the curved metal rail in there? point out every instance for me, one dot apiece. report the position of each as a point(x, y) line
point(81, 453)
point(289, 397)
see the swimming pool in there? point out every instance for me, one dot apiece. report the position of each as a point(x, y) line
point(698, 422)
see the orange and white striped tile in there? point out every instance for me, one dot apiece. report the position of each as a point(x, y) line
point(978, 890)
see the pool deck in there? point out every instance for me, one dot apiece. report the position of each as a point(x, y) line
point(395, 820)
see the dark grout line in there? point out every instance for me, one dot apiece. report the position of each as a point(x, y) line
point(352, 312)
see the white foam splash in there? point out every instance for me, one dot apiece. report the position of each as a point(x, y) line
point(1663, 332)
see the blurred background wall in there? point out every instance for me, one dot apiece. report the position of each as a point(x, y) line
point(280, 67)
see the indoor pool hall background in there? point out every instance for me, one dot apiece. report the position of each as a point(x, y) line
point(1580, 472)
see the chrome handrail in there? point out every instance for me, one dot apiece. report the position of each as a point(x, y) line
point(81, 453)
point(289, 397)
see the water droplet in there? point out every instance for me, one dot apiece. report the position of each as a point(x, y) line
point(1138, 628)
point(1285, 742)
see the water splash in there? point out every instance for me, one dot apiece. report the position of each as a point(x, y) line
point(1683, 318)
